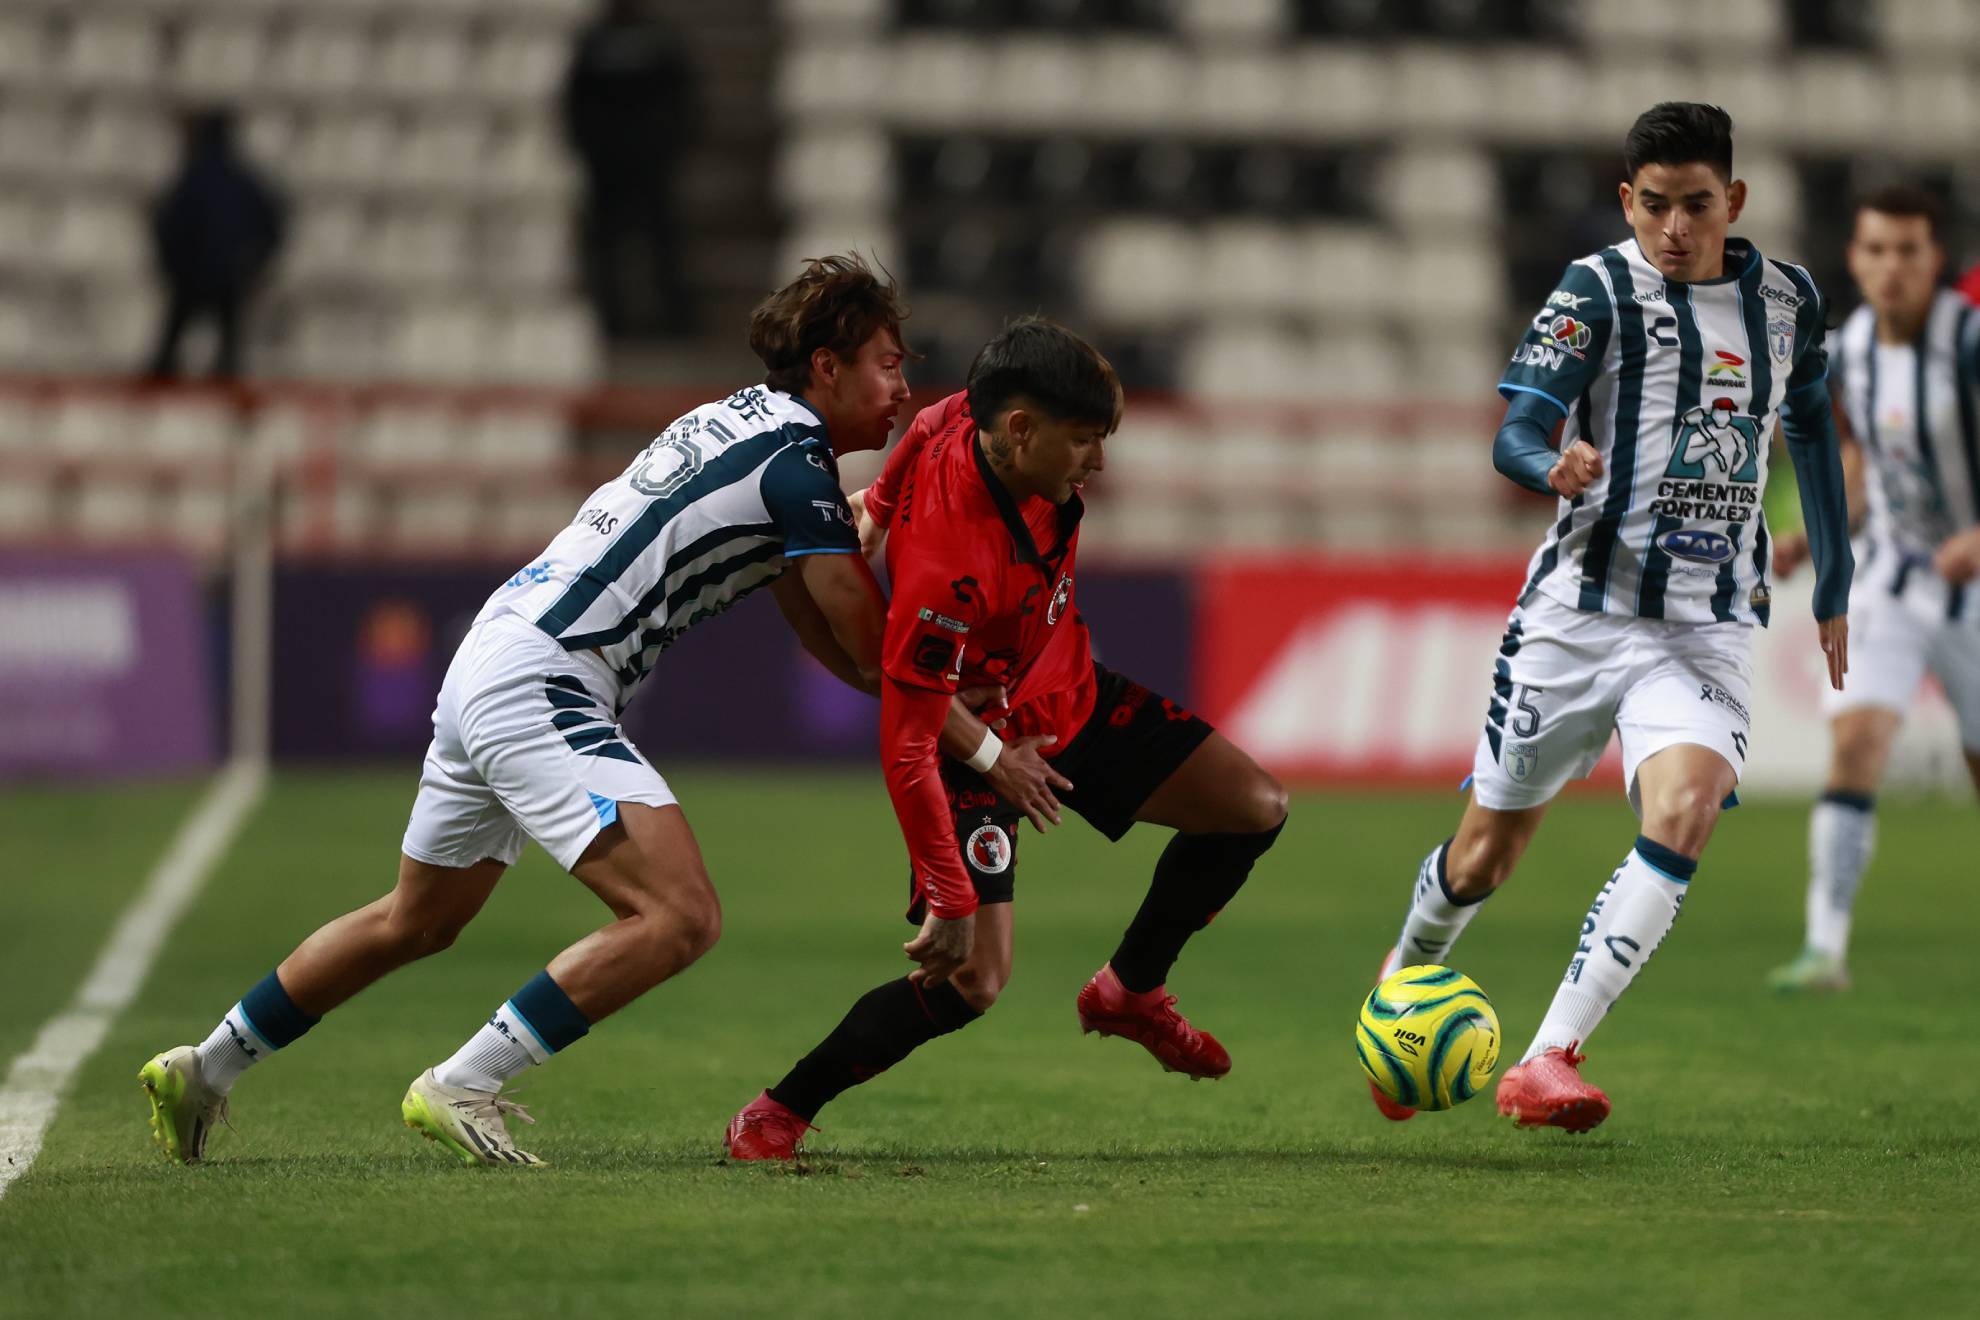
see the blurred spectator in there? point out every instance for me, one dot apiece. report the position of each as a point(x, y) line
point(629, 111)
point(215, 231)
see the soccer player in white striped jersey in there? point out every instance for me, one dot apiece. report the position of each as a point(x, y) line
point(1669, 356)
point(738, 494)
point(1907, 368)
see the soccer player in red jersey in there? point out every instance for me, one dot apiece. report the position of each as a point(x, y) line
point(981, 505)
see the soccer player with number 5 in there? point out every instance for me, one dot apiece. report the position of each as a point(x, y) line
point(1669, 357)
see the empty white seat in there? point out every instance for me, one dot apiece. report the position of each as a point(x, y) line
point(1915, 27)
point(1846, 96)
point(93, 236)
point(1339, 91)
point(527, 155)
point(421, 60)
point(347, 149)
point(80, 427)
point(1245, 359)
point(525, 65)
point(33, 136)
point(834, 167)
point(1139, 270)
point(27, 505)
point(23, 50)
point(1349, 270)
point(1440, 87)
point(1247, 20)
point(200, 430)
point(442, 341)
point(1438, 186)
point(328, 244)
point(120, 52)
point(523, 521)
point(23, 424)
point(220, 57)
point(1936, 110)
point(1133, 84)
point(128, 146)
point(841, 76)
point(336, 341)
point(323, 59)
point(1462, 282)
point(281, 431)
point(526, 250)
point(397, 436)
point(441, 151)
point(555, 344)
point(23, 233)
point(424, 248)
point(436, 518)
point(1253, 266)
point(516, 439)
point(1035, 82)
point(195, 515)
point(121, 322)
point(113, 510)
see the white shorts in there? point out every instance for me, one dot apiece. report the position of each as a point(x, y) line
point(1901, 624)
point(525, 741)
point(1565, 677)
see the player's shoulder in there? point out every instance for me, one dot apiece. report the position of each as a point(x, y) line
point(751, 414)
point(1585, 288)
point(945, 414)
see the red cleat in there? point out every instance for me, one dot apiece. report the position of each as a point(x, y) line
point(1547, 1091)
point(765, 1130)
point(1110, 1008)
point(1388, 1108)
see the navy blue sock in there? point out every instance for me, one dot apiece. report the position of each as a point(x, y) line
point(549, 1012)
point(272, 1014)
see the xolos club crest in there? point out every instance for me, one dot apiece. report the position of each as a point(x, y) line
point(989, 849)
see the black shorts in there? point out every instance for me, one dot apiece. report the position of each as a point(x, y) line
point(1134, 740)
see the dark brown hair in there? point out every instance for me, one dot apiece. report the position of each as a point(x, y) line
point(837, 303)
point(1045, 364)
point(1678, 133)
point(1907, 199)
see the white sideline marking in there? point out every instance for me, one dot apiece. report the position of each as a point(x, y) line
point(40, 1077)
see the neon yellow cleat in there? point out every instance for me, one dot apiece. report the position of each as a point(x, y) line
point(1811, 970)
point(184, 1109)
point(468, 1123)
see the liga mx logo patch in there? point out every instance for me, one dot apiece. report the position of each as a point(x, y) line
point(989, 850)
point(1522, 759)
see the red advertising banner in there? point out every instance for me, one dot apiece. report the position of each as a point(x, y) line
point(1350, 670)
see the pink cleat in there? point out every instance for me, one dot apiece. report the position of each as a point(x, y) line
point(1548, 1091)
point(765, 1130)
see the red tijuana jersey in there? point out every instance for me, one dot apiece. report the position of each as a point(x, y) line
point(982, 582)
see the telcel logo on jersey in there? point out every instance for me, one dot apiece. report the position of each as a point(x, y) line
point(1695, 543)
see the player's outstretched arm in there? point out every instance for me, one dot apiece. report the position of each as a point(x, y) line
point(1522, 450)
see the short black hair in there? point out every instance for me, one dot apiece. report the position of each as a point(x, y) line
point(1907, 199)
point(1048, 366)
point(1678, 133)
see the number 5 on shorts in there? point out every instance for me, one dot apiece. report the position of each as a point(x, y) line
point(1527, 722)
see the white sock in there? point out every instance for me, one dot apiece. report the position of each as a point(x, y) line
point(494, 1054)
point(1628, 920)
point(231, 1050)
point(1436, 917)
point(1842, 833)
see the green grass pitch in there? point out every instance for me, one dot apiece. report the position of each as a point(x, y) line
point(1766, 1157)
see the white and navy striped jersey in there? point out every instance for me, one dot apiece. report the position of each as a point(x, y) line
point(1912, 408)
point(1678, 387)
point(711, 510)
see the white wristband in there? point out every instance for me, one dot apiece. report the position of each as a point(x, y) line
point(987, 752)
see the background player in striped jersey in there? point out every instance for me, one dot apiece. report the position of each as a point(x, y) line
point(1669, 356)
point(1907, 367)
point(731, 497)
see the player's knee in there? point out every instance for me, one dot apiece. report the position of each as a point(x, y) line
point(980, 986)
point(696, 919)
point(1684, 819)
point(1263, 807)
point(416, 933)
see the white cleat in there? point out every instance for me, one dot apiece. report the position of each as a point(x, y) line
point(468, 1123)
point(184, 1109)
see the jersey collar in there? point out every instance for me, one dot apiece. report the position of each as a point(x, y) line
point(1741, 259)
point(1027, 549)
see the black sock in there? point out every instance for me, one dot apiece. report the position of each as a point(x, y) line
point(1196, 876)
point(887, 1024)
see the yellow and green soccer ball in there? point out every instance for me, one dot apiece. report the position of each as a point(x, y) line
point(1428, 1037)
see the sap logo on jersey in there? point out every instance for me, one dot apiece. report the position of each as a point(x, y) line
point(1696, 544)
point(1538, 355)
point(989, 850)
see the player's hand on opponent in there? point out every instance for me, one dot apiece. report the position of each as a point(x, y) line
point(1958, 558)
point(871, 534)
point(1575, 470)
point(941, 948)
point(1025, 779)
point(1835, 645)
point(1790, 553)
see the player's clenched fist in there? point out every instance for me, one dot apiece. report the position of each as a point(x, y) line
point(1575, 470)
